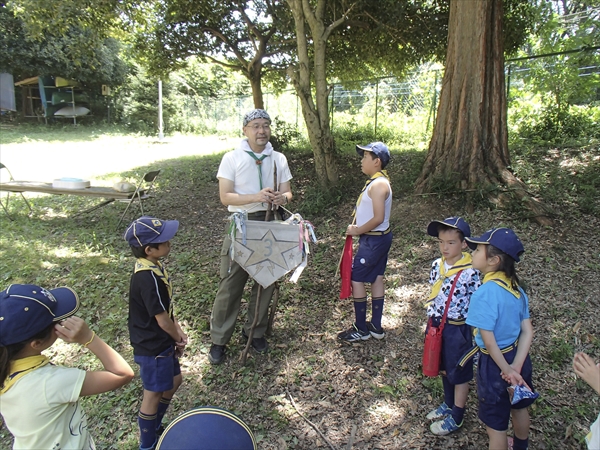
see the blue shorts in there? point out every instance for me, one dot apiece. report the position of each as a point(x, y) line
point(371, 257)
point(456, 341)
point(494, 402)
point(157, 372)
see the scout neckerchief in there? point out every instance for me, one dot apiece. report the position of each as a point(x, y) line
point(258, 165)
point(463, 263)
point(502, 280)
point(21, 367)
point(381, 173)
point(158, 269)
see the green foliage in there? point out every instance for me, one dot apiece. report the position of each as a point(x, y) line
point(561, 79)
point(561, 352)
point(434, 385)
point(239, 35)
point(566, 177)
point(76, 53)
point(286, 136)
point(556, 125)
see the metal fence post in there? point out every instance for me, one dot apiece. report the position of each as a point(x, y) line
point(376, 103)
point(332, 103)
point(508, 82)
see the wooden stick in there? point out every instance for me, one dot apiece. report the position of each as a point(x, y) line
point(275, 300)
point(244, 354)
point(352, 435)
point(316, 428)
point(273, 309)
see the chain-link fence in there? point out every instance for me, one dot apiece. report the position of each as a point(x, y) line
point(410, 104)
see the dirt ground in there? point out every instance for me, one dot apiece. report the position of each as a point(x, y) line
point(312, 391)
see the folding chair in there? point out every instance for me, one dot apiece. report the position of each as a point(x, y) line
point(142, 192)
point(10, 178)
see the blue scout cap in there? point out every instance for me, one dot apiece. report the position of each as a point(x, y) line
point(150, 230)
point(27, 309)
point(453, 222)
point(379, 149)
point(256, 114)
point(207, 428)
point(503, 239)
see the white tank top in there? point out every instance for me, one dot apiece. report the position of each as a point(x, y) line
point(364, 211)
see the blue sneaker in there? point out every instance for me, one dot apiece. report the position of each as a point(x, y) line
point(439, 413)
point(445, 426)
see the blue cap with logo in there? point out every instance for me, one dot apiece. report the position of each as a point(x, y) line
point(379, 149)
point(503, 239)
point(150, 230)
point(27, 309)
point(452, 222)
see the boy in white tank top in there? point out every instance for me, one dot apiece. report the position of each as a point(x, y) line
point(372, 225)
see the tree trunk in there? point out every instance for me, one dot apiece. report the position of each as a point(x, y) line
point(255, 78)
point(315, 111)
point(469, 146)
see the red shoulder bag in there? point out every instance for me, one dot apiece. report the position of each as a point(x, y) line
point(432, 350)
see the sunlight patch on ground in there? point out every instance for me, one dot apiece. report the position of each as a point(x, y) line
point(386, 411)
point(34, 160)
point(405, 292)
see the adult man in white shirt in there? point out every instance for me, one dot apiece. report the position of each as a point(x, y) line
point(246, 184)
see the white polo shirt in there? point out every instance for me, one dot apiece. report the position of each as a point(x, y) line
point(241, 168)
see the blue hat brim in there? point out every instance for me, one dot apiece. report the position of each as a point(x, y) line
point(474, 242)
point(170, 228)
point(361, 150)
point(67, 301)
point(432, 228)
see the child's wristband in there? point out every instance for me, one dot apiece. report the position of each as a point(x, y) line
point(91, 339)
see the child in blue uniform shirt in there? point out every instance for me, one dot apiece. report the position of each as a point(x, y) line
point(500, 311)
point(457, 335)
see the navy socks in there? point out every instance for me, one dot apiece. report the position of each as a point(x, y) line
point(458, 414)
point(147, 424)
point(360, 311)
point(448, 393)
point(377, 311)
point(520, 444)
point(162, 409)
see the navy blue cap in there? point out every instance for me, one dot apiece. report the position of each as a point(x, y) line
point(453, 222)
point(503, 239)
point(150, 230)
point(207, 428)
point(379, 149)
point(27, 309)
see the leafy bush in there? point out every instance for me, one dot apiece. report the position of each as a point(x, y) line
point(553, 125)
point(286, 136)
